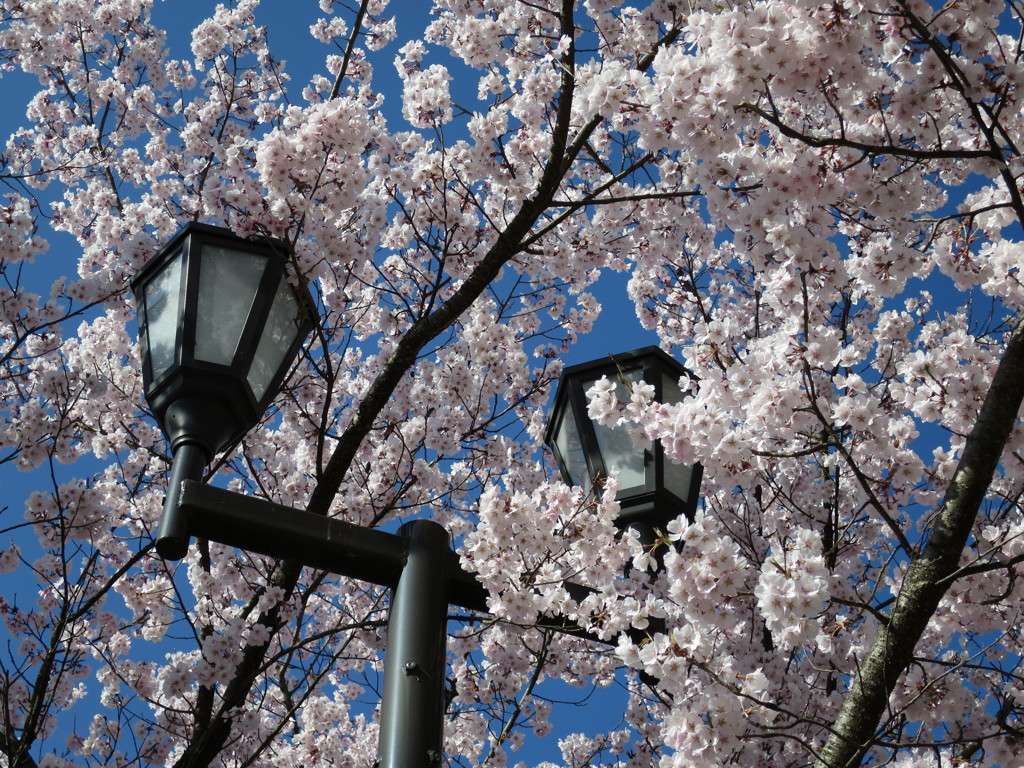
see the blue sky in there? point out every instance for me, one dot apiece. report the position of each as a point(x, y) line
point(617, 329)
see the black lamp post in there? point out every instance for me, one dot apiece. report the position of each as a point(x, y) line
point(652, 490)
point(219, 326)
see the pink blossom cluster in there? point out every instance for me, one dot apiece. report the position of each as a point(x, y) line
point(818, 208)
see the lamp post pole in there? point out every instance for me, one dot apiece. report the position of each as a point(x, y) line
point(418, 566)
point(220, 324)
point(413, 702)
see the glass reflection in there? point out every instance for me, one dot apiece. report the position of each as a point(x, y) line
point(159, 326)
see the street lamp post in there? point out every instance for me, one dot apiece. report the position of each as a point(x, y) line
point(220, 324)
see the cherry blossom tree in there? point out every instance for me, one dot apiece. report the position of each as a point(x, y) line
point(818, 206)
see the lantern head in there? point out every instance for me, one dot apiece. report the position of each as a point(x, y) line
point(652, 490)
point(219, 326)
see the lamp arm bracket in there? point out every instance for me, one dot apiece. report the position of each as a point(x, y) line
point(354, 551)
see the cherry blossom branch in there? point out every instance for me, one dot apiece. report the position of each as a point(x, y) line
point(349, 48)
point(858, 473)
point(927, 576)
point(876, 611)
point(53, 664)
point(971, 570)
point(961, 82)
point(294, 706)
point(423, 330)
point(18, 758)
point(947, 670)
point(593, 199)
point(527, 691)
point(789, 132)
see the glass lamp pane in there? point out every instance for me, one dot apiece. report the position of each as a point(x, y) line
point(227, 285)
point(670, 391)
point(678, 478)
point(161, 309)
point(281, 329)
point(570, 449)
point(616, 446)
